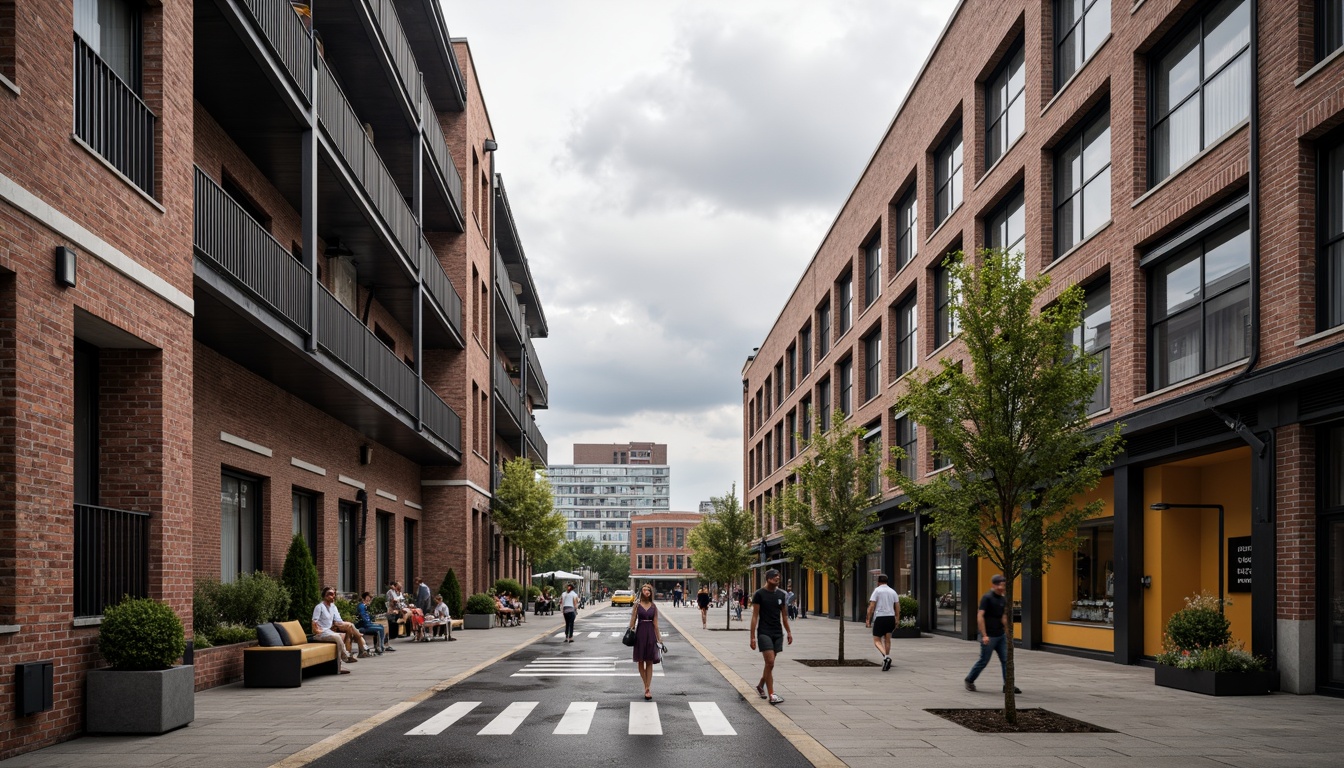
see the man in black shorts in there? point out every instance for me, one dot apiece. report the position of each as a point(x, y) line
point(884, 611)
point(767, 613)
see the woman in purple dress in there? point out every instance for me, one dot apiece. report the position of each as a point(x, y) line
point(644, 620)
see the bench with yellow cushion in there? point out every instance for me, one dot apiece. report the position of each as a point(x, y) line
point(282, 666)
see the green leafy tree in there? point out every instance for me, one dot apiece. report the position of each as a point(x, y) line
point(452, 593)
point(612, 567)
point(299, 576)
point(721, 543)
point(525, 511)
point(830, 515)
point(1012, 423)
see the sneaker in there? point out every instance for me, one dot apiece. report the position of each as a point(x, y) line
point(886, 663)
point(970, 686)
point(1015, 689)
point(389, 649)
point(364, 653)
point(760, 689)
point(775, 698)
point(351, 660)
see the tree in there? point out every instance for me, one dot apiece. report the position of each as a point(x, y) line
point(1014, 427)
point(299, 576)
point(525, 511)
point(721, 543)
point(830, 515)
point(612, 567)
point(452, 593)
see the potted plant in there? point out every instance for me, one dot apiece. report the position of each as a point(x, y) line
point(1198, 654)
point(143, 692)
point(909, 623)
point(480, 612)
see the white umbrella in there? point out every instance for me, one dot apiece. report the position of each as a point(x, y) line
point(556, 575)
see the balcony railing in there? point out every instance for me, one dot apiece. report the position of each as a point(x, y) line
point(538, 442)
point(508, 394)
point(504, 287)
point(534, 374)
point(111, 557)
point(438, 149)
point(440, 419)
point(398, 47)
point(289, 40)
point(111, 118)
point(346, 131)
point(348, 340)
point(440, 286)
point(233, 241)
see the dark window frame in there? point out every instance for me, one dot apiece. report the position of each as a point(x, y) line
point(872, 364)
point(1329, 314)
point(872, 265)
point(1001, 79)
point(907, 438)
point(844, 290)
point(947, 177)
point(1080, 24)
point(1001, 215)
point(1329, 37)
point(946, 326)
point(824, 329)
point(1078, 137)
point(844, 373)
point(907, 229)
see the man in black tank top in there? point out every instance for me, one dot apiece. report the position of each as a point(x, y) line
point(769, 627)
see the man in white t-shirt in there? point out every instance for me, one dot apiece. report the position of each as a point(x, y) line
point(884, 612)
point(441, 617)
point(325, 621)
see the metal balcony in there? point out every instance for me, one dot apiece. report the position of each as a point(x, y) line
point(111, 118)
point(443, 197)
point(508, 315)
point(536, 443)
point(510, 247)
point(423, 23)
point(537, 386)
point(111, 557)
point(287, 38)
point(508, 402)
point(444, 299)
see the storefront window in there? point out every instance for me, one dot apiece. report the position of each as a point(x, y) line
point(902, 579)
point(1094, 574)
point(947, 583)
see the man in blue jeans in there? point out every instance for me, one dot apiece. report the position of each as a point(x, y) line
point(989, 618)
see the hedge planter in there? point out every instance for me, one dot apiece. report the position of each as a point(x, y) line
point(478, 621)
point(905, 632)
point(155, 701)
point(1217, 683)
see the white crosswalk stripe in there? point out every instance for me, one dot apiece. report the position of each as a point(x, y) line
point(577, 718)
point(438, 723)
point(711, 719)
point(508, 721)
point(583, 666)
point(594, 634)
point(644, 719)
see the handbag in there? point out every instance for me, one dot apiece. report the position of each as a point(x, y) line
point(629, 637)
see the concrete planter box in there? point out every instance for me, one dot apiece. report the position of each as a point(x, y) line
point(478, 621)
point(905, 632)
point(152, 702)
point(1217, 683)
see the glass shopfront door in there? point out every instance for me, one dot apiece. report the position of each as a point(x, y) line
point(947, 558)
point(1332, 673)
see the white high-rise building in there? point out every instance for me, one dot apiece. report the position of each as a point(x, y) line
point(608, 484)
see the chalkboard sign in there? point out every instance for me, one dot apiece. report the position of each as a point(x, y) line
point(1240, 564)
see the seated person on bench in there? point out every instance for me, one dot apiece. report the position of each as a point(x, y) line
point(367, 626)
point(440, 622)
point(506, 616)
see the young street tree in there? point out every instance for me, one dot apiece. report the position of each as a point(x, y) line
point(1014, 427)
point(525, 511)
point(830, 514)
point(613, 568)
point(722, 543)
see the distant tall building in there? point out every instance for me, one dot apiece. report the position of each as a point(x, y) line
point(606, 484)
point(706, 507)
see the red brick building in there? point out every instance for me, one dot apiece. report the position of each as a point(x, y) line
point(258, 290)
point(1183, 162)
point(659, 553)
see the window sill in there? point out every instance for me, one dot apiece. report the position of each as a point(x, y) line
point(1006, 150)
point(1233, 131)
point(1098, 414)
point(900, 378)
point(1336, 331)
point(1135, 7)
point(88, 621)
point(941, 347)
point(939, 471)
point(1075, 75)
point(10, 629)
point(1083, 624)
point(1310, 73)
point(1078, 245)
point(94, 153)
point(1192, 380)
point(939, 228)
point(10, 84)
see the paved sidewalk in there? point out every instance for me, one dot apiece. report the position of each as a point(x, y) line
point(865, 717)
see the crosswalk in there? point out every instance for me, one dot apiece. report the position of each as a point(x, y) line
point(583, 666)
point(591, 635)
point(643, 719)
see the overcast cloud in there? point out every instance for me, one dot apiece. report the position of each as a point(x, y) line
point(672, 168)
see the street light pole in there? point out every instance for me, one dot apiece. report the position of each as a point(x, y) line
point(1162, 506)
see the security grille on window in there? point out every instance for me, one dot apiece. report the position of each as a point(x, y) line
point(945, 319)
point(1080, 27)
point(1331, 228)
point(907, 335)
point(907, 229)
point(1201, 86)
point(872, 263)
point(1005, 105)
point(1093, 337)
point(845, 289)
point(872, 365)
point(947, 178)
point(1201, 305)
point(1083, 183)
point(823, 329)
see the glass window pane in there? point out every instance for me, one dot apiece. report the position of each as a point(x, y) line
point(1097, 25)
point(1226, 326)
point(1097, 145)
point(1068, 225)
point(1016, 120)
point(1097, 320)
point(1227, 99)
point(1096, 203)
point(1334, 285)
point(1070, 55)
point(1176, 349)
point(1178, 73)
point(1176, 284)
point(1227, 259)
point(1068, 170)
point(1176, 140)
point(1333, 186)
point(1329, 27)
point(1227, 30)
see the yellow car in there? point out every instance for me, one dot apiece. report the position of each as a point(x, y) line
point(622, 597)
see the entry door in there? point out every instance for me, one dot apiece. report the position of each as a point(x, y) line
point(947, 584)
point(1332, 606)
point(347, 578)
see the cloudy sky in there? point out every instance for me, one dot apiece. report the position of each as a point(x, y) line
point(672, 167)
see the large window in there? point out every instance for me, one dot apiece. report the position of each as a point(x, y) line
point(872, 267)
point(1005, 105)
point(791, 361)
point(1080, 27)
point(384, 551)
point(845, 373)
point(1329, 27)
point(872, 441)
point(945, 318)
point(1083, 183)
point(347, 565)
point(805, 419)
point(907, 335)
point(824, 405)
point(791, 426)
point(823, 329)
point(1006, 227)
point(907, 229)
point(1094, 338)
point(1094, 574)
point(240, 526)
point(408, 550)
point(845, 290)
point(1330, 225)
point(111, 30)
point(947, 178)
point(907, 439)
point(872, 365)
point(110, 116)
point(305, 519)
point(1201, 86)
point(1201, 306)
point(805, 352)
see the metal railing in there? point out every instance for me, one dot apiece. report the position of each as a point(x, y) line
point(538, 442)
point(398, 47)
point(289, 39)
point(440, 286)
point(111, 557)
point(112, 119)
point(346, 131)
point(504, 287)
point(440, 419)
point(509, 395)
point(534, 373)
point(225, 235)
point(342, 335)
point(438, 149)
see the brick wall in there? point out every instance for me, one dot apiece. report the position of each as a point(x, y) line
point(220, 665)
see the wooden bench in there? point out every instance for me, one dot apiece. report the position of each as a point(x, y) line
point(283, 666)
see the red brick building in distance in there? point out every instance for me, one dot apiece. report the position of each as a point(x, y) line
point(1183, 162)
point(659, 554)
point(254, 292)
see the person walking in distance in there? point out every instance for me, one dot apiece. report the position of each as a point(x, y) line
point(569, 608)
point(702, 600)
point(992, 638)
point(767, 613)
point(884, 612)
point(644, 620)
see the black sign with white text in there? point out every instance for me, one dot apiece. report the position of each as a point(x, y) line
point(1239, 564)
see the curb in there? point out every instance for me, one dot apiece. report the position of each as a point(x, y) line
point(800, 739)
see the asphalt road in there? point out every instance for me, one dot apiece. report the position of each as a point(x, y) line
point(579, 704)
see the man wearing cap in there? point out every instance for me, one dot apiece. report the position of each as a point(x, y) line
point(767, 613)
point(993, 606)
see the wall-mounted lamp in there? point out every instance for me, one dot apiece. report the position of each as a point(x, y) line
point(65, 266)
point(1146, 582)
point(1162, 506)
point(489, 145)
point(366, 454)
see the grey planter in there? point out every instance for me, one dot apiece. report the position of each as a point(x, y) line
point(152, 702)
point(478, 621)
point(1217, 683)
point(905, 632)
